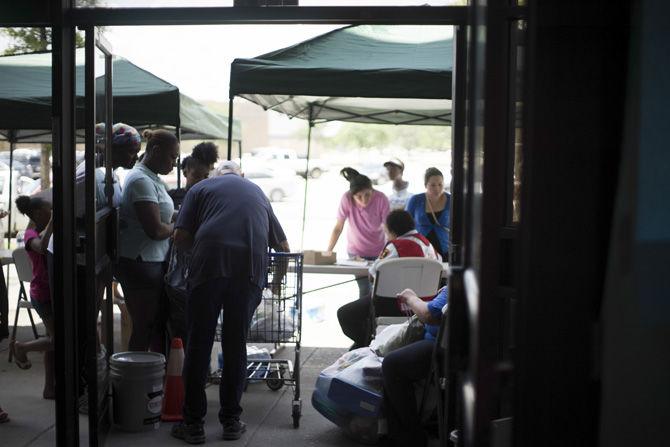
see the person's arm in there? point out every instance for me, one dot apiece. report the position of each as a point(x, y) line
point(335, 235)
point(418, 306)
point(183, 239)
point(45, 236)
point(277, 237)
point(186, 226)
point(149, 216)
point(385, 209)
point(142, 194)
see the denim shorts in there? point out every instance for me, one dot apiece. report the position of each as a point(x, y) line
point(44, 310)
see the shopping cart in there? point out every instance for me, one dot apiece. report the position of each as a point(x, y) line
point(278, 321)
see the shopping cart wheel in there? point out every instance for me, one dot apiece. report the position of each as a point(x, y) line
point(275, 384)
point(296, 413)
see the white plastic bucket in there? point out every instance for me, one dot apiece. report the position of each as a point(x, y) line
point(137, 386)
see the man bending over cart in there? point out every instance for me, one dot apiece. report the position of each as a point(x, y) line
point(228, 224)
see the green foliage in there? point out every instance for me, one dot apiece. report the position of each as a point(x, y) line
point(30, 40)
point(355, 135)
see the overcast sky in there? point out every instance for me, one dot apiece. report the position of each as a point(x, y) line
point(198, 58)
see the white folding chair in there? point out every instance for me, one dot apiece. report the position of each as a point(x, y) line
point(394, 275)
point(24, 271)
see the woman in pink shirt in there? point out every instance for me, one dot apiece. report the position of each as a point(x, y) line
point(366, 210)
point(36, 240)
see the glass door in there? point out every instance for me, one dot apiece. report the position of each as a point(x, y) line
point(100, 239)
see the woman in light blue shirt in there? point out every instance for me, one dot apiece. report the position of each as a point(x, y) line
point(146, 217)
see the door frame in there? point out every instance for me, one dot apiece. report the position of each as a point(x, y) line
point(67, 17)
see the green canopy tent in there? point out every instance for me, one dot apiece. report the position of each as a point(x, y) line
point(140, 99)
point(363, 73)
point(384, 74)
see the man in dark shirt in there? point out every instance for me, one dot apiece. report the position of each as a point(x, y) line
point(228, 224)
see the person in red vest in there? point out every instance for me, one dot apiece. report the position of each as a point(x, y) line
point(403, 241)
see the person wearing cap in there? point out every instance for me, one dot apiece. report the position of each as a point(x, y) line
point(228, 167)
point(227, 224)
point(400, 194)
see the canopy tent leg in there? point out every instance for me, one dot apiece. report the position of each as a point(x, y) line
point(239, 151)
point(177, 133)
point(12, 146)
point(230, 128)
point(304, 202)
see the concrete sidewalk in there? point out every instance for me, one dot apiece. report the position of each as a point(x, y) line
point(267, 413)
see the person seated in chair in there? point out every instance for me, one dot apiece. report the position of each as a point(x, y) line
point(405, 366)
point(403, 241)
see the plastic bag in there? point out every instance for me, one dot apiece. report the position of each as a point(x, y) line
point(345, 361)
point(396, 336)
point(274, 320)
point(357, 371)
point(176, 291)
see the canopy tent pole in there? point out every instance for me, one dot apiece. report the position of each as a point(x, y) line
point(230, 128)
point(239, 150)
point(177, 133)
point(304, 202)
point(12, 146)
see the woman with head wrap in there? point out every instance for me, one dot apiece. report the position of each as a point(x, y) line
point(124, 148)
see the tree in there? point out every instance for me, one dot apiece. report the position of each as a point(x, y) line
point(30, 40)
point(357, 135)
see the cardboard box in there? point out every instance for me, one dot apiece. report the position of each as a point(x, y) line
point(314, 257)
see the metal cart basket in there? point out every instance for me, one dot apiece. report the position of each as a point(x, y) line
point(277, 320)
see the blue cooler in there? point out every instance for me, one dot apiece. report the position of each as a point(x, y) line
point(358, 389)
point(360, 428)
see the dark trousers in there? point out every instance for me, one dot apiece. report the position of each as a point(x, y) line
point(364, 287)
point(401, 369)
point(354, 320)
point(144, 290)
point(238, 298)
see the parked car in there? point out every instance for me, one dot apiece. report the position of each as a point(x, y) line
point(26, 161)
point(376, 172)
point(19, 221)
point(19, 168)
point(277, 184)
point(289, 159)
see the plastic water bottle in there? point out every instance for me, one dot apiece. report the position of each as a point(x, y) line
point(19, 238)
